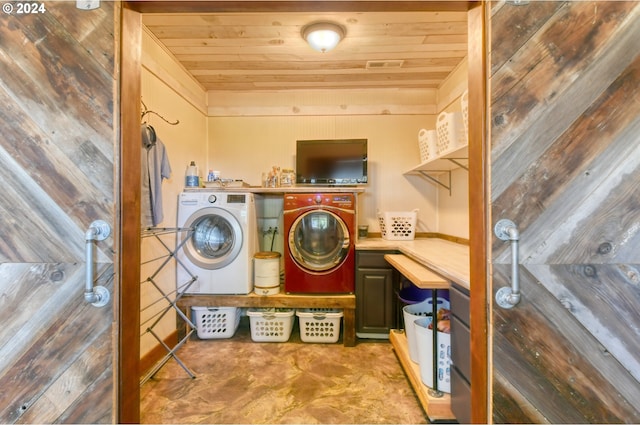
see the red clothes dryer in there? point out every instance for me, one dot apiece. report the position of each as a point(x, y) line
point(319, 242)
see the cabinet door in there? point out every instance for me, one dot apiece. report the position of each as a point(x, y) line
point(374, 301)
point(461, 354)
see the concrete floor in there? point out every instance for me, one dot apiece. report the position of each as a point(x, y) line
point(239, 381)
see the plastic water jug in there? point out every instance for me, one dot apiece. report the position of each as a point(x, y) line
point(191, 175)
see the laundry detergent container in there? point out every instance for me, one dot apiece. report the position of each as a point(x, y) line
point(424, 344)
point(413, 312)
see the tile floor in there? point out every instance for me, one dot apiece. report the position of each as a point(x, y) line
point(239, 381)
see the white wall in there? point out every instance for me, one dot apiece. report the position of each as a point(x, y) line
point(244, 147)
point(169, 91)
point(453, 208)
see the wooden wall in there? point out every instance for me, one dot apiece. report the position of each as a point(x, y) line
point(565, 147)
point(57, 91)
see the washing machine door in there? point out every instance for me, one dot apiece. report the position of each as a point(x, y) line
point(319, 241)
point(216, 238)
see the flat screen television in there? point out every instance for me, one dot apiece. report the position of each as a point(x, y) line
point(335, 162)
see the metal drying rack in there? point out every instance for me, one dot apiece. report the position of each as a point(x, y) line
point(165, 259)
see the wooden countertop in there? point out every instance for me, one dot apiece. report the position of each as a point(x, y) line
point(448, 259)
point(280, 190)
point(421, 276)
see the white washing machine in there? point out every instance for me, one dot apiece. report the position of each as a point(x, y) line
point(220, 244)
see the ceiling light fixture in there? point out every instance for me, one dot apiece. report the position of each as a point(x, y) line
point(323, 36)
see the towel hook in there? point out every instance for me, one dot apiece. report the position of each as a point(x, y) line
point(146, 111)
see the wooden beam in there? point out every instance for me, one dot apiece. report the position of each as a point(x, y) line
point(129, 217)
point(295, 6)
point(478, 214)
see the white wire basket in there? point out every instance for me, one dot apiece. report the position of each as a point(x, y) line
point(398, 225)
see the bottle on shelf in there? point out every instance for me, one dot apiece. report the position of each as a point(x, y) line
point(287, 177)
point(191, 175)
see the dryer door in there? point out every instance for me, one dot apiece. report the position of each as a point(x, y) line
point(319, 241)
point(216, 238)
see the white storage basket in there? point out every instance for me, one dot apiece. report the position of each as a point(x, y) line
point(428, 143)
point(450, 129)
point(319, 324)
point(399, 225)
point(216, 322)
point(464, 106)
point(413, 312)
point(271, 324)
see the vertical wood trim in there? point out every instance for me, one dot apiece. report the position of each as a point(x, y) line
point(129, 210)
point(478, 213)
point(131, 40)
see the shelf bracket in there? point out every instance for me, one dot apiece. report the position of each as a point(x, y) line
point(435, 180)
point(457, 162)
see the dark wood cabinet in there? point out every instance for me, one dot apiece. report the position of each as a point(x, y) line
point(461, 354)
point(375, 295)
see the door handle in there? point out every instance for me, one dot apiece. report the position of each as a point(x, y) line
point(98, 295)
point(508, 297)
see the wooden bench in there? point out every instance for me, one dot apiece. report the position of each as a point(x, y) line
point(345, 302)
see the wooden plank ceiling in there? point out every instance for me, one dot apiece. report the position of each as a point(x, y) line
point(265, 51)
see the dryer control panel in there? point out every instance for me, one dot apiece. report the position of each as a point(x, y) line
point(294, 201)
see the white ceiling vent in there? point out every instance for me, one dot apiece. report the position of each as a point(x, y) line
point(385, 64)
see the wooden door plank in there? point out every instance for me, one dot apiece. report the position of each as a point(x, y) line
point(46, 359)
point(579, 163)
point(565, 169)
point(604, 299)
point(541, 73)
point(560, 368)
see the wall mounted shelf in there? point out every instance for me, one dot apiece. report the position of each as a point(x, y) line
point(433, 168)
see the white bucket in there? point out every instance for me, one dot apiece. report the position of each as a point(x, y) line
point(424, 342)
point(413, 312)
point(266, 273)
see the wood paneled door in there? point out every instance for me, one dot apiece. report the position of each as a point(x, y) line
point(565, 168)
point(57, 162)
